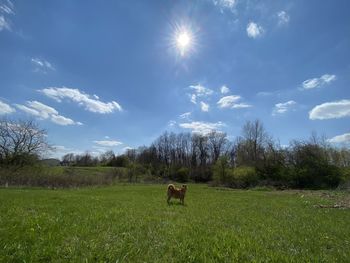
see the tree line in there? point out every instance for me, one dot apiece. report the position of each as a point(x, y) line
point(253, 158)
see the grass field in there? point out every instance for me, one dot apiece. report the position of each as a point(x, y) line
point(133, 223)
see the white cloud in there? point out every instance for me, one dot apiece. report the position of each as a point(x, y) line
point(283, 18)
point(28, 110)
point(204, 106)
point(61, 120)
point(59, 150)
point(44, 112)
point(185, 115)
point(108, 143)
point(90, 104)
point(232, 102)
point(201, 91)
point(224, 90)
point(225, 3)
point(7, 7)
point(171, 123)
point(318, 82)
point(5, 108)
point(331, 110)
point(42, 65)
point(4, 24)
point(254, 30)
point(241, 106)
point(228, 101)
point(281, 108)
point(193, 98)
point(344, 138)
point(202, 127)
point(127, 148)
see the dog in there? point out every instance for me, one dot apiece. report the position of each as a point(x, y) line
point(178, 193)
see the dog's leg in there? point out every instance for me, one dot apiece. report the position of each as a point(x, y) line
point(169, 197)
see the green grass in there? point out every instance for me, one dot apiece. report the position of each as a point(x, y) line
point(133, 223)
point(62, 177)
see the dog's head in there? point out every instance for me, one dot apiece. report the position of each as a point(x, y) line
point(184, 187)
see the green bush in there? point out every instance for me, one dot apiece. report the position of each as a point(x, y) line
point(201, 174)
point(221, 171)
point(240, 177)
point(244, 177)
point(316, 176)
point(182, 174)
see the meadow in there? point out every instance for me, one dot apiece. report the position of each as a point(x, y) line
point(133, 223)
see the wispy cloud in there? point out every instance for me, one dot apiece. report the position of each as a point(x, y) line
point(171, 123)
point(5, 108)
point(344, 138)
point(6, 9)
point(265, 93)
point(126, 148)
point(202, 127)
point(283, 18)
point(41, 65)
point(58, 151)
point(281, 108)
point(224, 89)
point(318, 82)
point(232, 102)
point(193, 98)
point(185, 115)
point(225, 4)
point(204, 106)
point(4, 24)
point(331, 110)
point(44, 112)
point(254, 30)
point(108, 143)
point(61, 120)
point(201, 91)
point(91, 103)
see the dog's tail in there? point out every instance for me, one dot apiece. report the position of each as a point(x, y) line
point(171, 187)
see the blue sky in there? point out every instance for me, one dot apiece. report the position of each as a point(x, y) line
point(104, 75)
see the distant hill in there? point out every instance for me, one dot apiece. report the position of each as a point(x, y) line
point(51, 162)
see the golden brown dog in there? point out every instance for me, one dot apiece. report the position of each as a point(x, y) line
point(178, 193)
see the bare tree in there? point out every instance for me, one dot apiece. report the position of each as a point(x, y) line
point(217, 141)
point(253, 142)
point(68, 159)
point(106, 157)
point(20, 140)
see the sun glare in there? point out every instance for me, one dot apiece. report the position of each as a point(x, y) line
point(183, 40)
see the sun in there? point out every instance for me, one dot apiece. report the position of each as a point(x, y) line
point(183, 41)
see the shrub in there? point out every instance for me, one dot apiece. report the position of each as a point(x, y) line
point(182, 174)
point(221, 170)
point(201, 174)
point(244, 177)
point(119, 161)
point(316, 176)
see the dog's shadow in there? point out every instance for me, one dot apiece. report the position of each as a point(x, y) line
point(176, 203)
